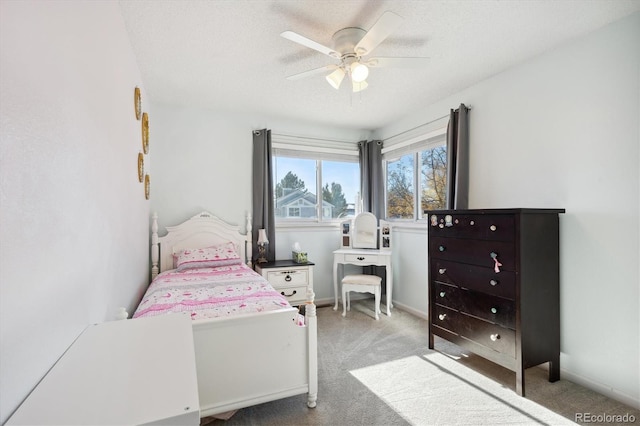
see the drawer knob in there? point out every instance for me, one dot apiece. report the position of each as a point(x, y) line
point(493, 227)
point(494, 337)
point(360, 258)
point(441, 317)
point(442, 270)
point(493, 282)
point(494, 310)
point(441, 248)
point(288, 295)
point(287, 278)
point(442, 294)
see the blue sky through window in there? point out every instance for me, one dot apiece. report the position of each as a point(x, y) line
point(345, 173)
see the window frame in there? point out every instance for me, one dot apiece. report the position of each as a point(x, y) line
point(413, 144)
point(310, 149)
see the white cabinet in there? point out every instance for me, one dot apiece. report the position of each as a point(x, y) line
point(138, 371)
point(291, 279)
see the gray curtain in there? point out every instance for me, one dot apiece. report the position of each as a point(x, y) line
point(458, 159)
point(263, 211)
point(372, 190)
point(371, 182)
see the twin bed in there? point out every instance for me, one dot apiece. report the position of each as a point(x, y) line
point(251, 345)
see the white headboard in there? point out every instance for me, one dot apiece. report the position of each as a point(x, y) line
point(202, 230)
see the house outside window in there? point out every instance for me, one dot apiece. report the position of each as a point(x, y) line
point(301, 171)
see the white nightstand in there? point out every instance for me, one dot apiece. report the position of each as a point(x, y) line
point(291, 279)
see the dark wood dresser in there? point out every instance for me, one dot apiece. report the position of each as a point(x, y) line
point(494, 285)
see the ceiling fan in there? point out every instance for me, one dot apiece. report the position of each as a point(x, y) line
point(350, 46)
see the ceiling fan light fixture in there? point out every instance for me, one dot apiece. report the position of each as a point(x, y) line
point(359, 72)
point(359, 86)
point(335, 78)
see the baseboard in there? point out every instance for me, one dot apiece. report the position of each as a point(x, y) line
point(329, 301)
point(412, 311)
point(600, 388)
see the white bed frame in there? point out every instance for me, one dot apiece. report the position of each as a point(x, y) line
point(246, 360)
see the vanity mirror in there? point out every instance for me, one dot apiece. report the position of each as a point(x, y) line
point(365, 231)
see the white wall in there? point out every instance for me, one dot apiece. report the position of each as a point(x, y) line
point(563, 131)
point(204, 159)
point(74, 221)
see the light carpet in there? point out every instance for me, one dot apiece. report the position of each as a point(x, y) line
point(382, 373)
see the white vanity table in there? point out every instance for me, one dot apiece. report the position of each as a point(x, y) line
point(139, 371)
point(363, 257)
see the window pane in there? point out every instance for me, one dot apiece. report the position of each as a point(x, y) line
point(295, 181)
point(400, 191)
point(340, 188)
point(433, 178)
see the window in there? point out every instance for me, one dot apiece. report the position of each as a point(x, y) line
point(299, 175)
point(400, 188)
point(416, 175)
point(433, 178)
point(340, 188)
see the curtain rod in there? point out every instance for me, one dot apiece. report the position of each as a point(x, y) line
point(424, 124)
point(311, 138)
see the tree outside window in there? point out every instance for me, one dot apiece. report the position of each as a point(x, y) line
point(433, 178)
point(404, 200)
point(400, 191)
point(296, 187)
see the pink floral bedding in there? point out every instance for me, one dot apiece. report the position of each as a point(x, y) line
point(210, 293)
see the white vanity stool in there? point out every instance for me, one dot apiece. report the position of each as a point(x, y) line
point(361, 283)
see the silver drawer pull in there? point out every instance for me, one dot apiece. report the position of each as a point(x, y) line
point(441, 317)
point(494, 337)
point(442, 294)
point(493, 227)
point(441, 248)
point(494, 310)
point(288, 295)
point(493, 282)
point(442, 270)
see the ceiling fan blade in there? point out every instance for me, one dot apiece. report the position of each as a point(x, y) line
point(397, 62)
point(297, 38)
point(313, 72)
point(384, 26)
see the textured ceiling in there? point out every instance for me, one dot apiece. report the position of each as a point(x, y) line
point(229, 55)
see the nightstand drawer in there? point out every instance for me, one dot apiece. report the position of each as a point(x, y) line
point(294, 294)
point(288, 277)
point(292, 280)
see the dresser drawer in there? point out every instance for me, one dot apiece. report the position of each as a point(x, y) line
point(475, 252)
point(363, 259)
point(473, 277)
point(485, 333)
point(446, 295)
point(491, 308)
point(485, 227)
